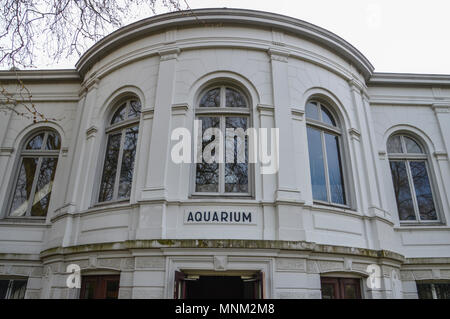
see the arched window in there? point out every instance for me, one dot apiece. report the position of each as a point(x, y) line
point(413, 191)
point(122, 133)
point(224, 111)
point(324, 146)
point(33, 184)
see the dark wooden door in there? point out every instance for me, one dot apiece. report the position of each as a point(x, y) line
point(340, 288)
point(179, 291)
point(100, 287)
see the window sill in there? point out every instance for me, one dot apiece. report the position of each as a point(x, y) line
point(39, 221)
point(422, 226)
point(320, 204)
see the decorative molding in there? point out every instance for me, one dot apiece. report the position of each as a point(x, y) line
point(171, 36)
point(6, 151)
point(220, 263)
point(277, 54)
point(382, 154)
point(265, 109)
point(297, 114)
point(64, 151)
point(91, 132)
point(348, 263)
point(278, 37)
point(441, 107)
point(180, 108)
point(354, 134)
point(169, 53)
point(441, 155)
point(148, 113)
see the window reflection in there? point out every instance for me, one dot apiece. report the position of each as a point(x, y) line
point(118, 166)
point(231, 175)
point(327, 180)
point(207, 174)
point(412, 188)
point(33, 185)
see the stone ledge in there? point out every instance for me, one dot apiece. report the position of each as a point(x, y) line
point(224, 244)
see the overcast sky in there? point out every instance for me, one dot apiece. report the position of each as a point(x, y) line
point(410, 36)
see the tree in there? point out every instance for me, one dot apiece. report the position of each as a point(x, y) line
point(59, 29)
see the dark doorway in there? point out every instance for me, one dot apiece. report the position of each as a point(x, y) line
point(218, 287)
point(340, 288)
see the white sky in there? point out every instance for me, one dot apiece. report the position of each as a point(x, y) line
point(411, 36)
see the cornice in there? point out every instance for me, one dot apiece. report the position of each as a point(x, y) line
point(40, 75)
point(409, 79)
point(224, 15)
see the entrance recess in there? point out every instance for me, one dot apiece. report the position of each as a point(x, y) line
point(218, 286)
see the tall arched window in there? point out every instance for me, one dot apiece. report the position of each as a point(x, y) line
point(324, 146)
point(224, 109)
point(122, 133)
point(413, 191)
point(33, 184)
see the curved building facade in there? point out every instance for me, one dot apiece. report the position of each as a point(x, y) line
point(355, 203)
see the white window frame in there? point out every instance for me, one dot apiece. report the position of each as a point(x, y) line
point(222, 112)
point(40, 154)
point(407, 158)
point(112, 129)
point(336, 131)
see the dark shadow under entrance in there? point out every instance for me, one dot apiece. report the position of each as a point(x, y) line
point(218, 287)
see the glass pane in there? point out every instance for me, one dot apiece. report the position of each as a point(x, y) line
point(423, 191)
point(402, 191)
point(23, 187)
point(412, 146)
point(442, 291)
point(211, 98)
point(394, 144)
point(112, 289)
point(89, 292)
point(236, 152)
point(126, 171)
point(311, 111)
point(53, 141)
point(207, 174)
point(44, 187)
point(109, 168)
point(316, 164)
point(327, 117)
point(120, 114)
point(3, 288)
point(424, 291)
point(135, 109)
point(335, 169)
point(18, 289)
point(328, 291)
point(36, 142)
point(350, 291)
point(234, 99)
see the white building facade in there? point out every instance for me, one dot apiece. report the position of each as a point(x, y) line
point(362, 185)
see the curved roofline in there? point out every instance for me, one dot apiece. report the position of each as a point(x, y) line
point(213, 15)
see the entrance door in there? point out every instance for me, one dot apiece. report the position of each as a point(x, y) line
point(100, 287)
point(218, 287)
point(340, 288)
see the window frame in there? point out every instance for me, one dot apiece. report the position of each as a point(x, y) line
point(338, 131)
point(222, 112)
point(10, 287)
point(407, 158)
point(30, 153)
point(111, 129)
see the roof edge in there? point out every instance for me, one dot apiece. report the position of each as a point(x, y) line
point(40, 74)
point(385, 78)
point(250, 17)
